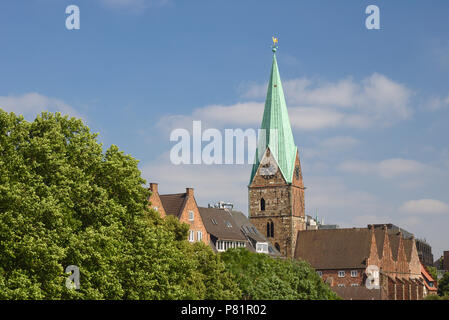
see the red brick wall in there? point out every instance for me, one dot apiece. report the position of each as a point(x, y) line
point(399, 290)
point(197, 223)
point(347, 280)
point(407, 290)
point(420, 291)
point(284, 206)
point(154, 200)
point(391, 289)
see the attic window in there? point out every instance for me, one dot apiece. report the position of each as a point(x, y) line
point(191, 215)
point(214, 221)
point(228, 224)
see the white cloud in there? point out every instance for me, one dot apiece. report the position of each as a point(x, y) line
point(339, 142)
point(437, 103)
point(389, 168)
point(315, 105)
point(31, 104)
point(212, 183)
point(333, 144)
point(424, 206)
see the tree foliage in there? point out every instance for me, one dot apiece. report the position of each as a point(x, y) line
point(443, 285)
point(63, 201)
point(262, 277)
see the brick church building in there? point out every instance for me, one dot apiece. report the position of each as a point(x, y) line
point(342, 257)
point(276, 190)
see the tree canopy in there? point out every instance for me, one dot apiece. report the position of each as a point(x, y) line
point(262, 277)
point(63, 201)
point(443, 285)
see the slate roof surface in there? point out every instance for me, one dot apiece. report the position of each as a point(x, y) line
point(334, 248)
point(221, 224)
point(173, 203)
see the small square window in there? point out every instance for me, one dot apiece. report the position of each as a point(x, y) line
point(354, 284)
point(354, 273)
point(341, 274)
point(341, 285)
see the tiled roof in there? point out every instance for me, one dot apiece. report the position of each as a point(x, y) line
point(221, 224)
point(250, 231)
point(173, 203)
point(357, 293)
point(335, 248)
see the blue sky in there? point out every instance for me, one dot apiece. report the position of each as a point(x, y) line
point(369, 108)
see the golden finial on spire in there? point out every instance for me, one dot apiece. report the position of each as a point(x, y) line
point(274, 46)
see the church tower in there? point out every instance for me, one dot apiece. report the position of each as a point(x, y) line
point(276, 190)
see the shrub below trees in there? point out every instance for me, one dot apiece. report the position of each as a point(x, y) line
point(262, 277)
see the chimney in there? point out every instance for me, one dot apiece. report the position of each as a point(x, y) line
point(153, 187)
point(189, 192)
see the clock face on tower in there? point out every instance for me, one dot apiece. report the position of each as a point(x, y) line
point(268, 167)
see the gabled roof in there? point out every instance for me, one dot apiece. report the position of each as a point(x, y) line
point(334, 248)
point(357, 293)
point(394, 244)
point(173, 203)
point(251, 232)
point(280, 140)
point(380, 238)
point(221, 224)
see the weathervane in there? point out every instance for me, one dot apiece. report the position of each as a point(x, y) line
point(274, 46)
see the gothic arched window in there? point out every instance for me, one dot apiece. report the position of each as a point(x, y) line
point(277, 246)
point(270, 229)
point(262, 204)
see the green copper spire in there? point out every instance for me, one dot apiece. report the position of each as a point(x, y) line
point(276, 124)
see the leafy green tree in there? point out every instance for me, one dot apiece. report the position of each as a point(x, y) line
point(262, 277)
point(443, 285)
point(433, 272)
point(63, 201)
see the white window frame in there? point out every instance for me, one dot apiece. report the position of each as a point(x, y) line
point(156, 208)
point(262, 247)
point(199, 235)
point(341, 274)
point(320, 273)
point(341, 285)
point(191, 236)
point(191, 215)
point(354, 284)
point(354, 273)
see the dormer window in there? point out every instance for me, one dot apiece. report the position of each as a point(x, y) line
point(262, 247)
